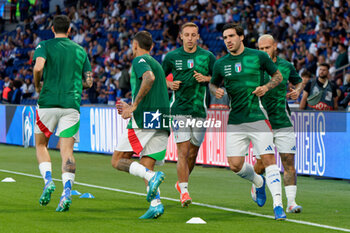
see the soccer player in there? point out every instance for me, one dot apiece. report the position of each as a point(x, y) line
point(277, 109)
point(242, 71)
point(146, 134)
point(65, 69)
point(191, 67)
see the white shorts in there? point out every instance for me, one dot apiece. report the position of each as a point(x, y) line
point(148, 142)
point(67, 121)
point(238, 138)
point(193, 134)
point(284, 140)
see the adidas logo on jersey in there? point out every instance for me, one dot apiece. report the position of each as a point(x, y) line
point(142, 60)
point(293, 149)
point(268, 148)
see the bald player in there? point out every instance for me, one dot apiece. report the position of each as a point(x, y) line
point(278, 112)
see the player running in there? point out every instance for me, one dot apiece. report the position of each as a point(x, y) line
point(242, 71)
point(65, 69)
point(145, 134)
point(278, 111)
point(191, 67)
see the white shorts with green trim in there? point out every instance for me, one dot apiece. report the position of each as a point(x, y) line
point(193, 134)
point(148, 142)
point(238, 138)
point(67, 121)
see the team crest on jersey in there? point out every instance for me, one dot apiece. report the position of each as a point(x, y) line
point(190, 63)
point(238, 67)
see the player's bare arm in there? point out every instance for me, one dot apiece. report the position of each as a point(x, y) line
point(276, 79)
point(146, 85)
point(200, 77)
point(218, 92)
point(38, 72)
point(87, 83)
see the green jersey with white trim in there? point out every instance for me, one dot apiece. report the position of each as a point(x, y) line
point(65, 64)
point(274, 101)
point(190, 98)
point(242, 74)
point(154, 107)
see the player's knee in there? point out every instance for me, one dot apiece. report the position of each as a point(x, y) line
point(235, 164)
point(41, 145)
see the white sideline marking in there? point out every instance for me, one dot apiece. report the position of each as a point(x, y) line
point(193, 203)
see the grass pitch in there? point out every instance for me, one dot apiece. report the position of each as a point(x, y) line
point(325, 202)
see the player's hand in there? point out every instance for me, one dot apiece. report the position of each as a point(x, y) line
point(260, 91)
point(200, 77)
point(124, 109)
point(119, 106)
point(175, 85)
point(219, 93)
point(127, 111)
point(293, 94)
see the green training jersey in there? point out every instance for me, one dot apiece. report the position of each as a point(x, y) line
point(242, 74)
point(190, 98)
point(274, 101)
point(153, 110)
point(65, 64)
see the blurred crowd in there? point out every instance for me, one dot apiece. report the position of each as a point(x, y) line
point(308, 33)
